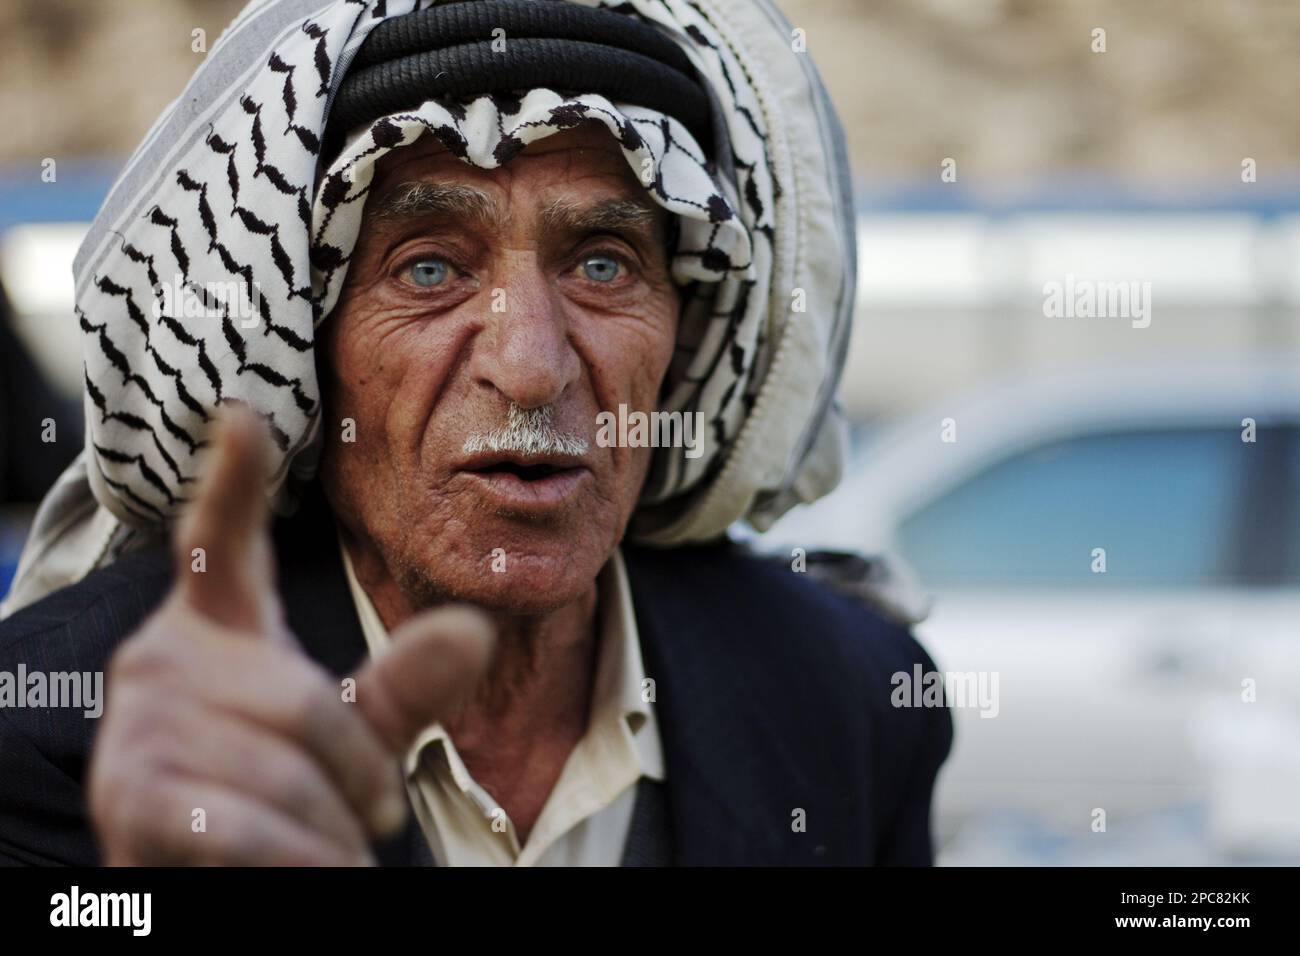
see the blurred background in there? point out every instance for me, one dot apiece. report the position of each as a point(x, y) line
point(1104, 509)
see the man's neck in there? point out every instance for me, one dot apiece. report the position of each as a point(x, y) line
point(516, 733)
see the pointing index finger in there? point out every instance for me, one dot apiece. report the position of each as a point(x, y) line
point(222, 550)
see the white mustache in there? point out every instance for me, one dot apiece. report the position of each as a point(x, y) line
point(528, 431)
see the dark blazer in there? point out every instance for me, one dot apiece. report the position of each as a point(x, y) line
point(772, 695)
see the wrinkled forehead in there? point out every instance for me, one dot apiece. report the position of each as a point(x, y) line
point(576, 178)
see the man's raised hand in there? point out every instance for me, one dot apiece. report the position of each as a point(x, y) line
point(222, 742)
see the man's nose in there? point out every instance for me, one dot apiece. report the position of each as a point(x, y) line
point(525, 352)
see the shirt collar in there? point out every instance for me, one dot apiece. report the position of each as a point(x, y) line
point(620, 689)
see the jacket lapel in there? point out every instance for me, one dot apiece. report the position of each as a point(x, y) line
point(319, 610)
point(313, 588)
point(720, 754)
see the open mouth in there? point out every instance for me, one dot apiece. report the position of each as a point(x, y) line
point(528, 484)
point(524, 472)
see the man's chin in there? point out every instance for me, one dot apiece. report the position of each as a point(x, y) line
point(506, 582)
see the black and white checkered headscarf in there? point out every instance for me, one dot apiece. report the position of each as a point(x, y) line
point(225, 243)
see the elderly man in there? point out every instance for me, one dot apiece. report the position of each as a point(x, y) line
point(397, 275)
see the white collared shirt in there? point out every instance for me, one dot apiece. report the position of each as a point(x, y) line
point(586, 817)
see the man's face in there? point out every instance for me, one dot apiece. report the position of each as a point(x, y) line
point(538, 292)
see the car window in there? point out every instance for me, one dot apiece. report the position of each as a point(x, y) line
point(1163, 504)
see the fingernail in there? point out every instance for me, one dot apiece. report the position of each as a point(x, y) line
point(388, 814)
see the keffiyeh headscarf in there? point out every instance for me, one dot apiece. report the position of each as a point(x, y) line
point(225, 243)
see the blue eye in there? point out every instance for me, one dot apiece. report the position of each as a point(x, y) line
point(601, 268)
point(428, 272)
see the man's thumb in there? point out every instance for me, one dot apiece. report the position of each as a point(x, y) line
point(433, 665)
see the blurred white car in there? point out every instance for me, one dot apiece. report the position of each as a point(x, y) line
point(1167, 683)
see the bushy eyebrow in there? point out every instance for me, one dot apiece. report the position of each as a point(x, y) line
point(636, 218)
point(413, 200)
point(632, 216)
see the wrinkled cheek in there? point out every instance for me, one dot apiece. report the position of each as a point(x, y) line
point(379, 397)
point(355, 427)
point(640, 467)
point(649, 374)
